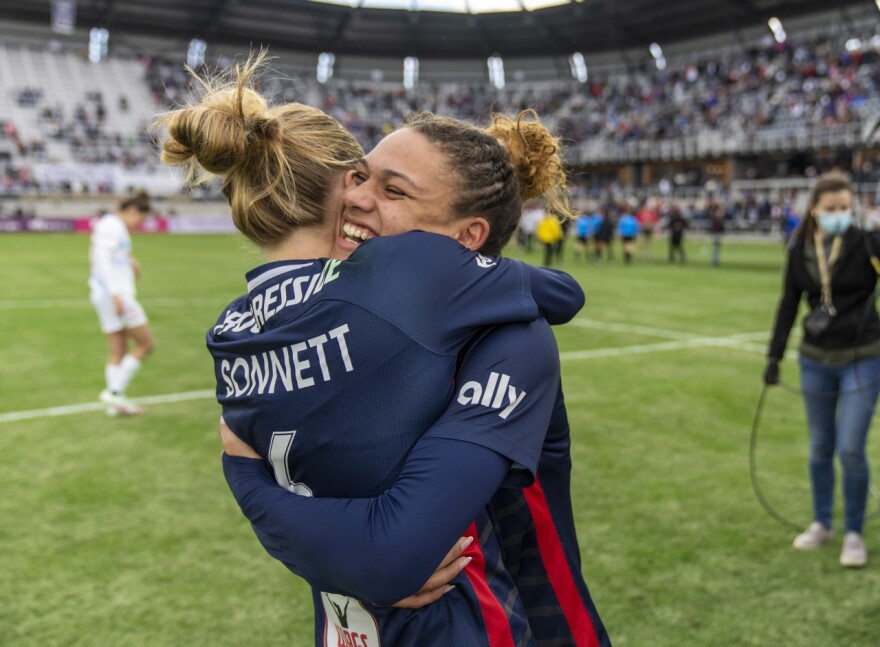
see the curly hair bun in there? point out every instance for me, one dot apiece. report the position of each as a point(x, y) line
point(534, 153)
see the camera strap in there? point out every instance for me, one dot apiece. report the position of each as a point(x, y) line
point(824, 267)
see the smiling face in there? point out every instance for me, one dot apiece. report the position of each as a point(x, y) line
point(404, 183)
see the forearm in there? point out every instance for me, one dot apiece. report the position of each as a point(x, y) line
point(381, 549)
point(786, 313)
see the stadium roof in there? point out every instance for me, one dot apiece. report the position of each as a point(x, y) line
point(354, 28)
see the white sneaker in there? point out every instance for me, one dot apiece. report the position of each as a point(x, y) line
point(119, 405)
point(854, 553)
point(812, 537)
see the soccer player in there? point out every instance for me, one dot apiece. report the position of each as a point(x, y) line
point(112, 281)
point(319, 364)
point(628, 230)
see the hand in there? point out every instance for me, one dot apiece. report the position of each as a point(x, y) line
point(771, 373)
point(233, 445)
point(438, 584)
point(118, 305)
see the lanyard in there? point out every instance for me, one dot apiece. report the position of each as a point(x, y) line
point(824, 265)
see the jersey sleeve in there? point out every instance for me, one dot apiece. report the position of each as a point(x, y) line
point(505, 393)
point(384, 549)
point(440, 292)
point(558, 295)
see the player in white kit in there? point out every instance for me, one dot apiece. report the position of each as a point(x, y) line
point(112, 281)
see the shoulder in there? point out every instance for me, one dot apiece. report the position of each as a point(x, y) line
point(418, 253)
point(531, 344)
point(106, 223)
point(409, 242)
point(235, 318)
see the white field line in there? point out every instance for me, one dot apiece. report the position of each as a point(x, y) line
point(738, 341)
point(99, 406)
point(680, 341)
point(638, 349)
point(158, 302)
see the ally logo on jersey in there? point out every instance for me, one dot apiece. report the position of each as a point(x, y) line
point(492, 394)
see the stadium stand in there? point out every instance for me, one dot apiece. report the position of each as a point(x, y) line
point(712, 117)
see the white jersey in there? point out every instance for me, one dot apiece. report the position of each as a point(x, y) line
point(110, 256)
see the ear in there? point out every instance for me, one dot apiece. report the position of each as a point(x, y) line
point(347, 178)
point(473, 232)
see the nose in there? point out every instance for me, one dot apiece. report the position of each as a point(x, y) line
point(357, 195)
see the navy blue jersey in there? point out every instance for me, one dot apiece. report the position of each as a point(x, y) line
point(540, 546)
point(384, 548)
point(333, 369)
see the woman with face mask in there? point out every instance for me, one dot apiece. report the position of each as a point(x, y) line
point(831, 262)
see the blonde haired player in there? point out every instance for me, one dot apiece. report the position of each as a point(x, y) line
point(112, 282)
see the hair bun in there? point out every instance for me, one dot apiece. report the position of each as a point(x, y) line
point(264, 128)
point(534, 153)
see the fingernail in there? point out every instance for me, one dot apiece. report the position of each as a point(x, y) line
point(464, 562)
point(448, 588)
point(467, 541)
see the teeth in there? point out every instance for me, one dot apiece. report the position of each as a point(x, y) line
point(355, 234)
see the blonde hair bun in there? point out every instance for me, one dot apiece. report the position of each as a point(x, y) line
point(277, 163)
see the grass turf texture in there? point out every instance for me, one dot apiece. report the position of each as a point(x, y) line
point(122, 531)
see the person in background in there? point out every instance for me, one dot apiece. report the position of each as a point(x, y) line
point(528, 224)
point(648, 219)
point(596, 219)
point(583, 231)
point(604, 235)
point(789, 224)
point(628, 230)
point(565, 223)
point(831, 262)
point(676, 226)
point(716, 230)
point(549, 233)
point(112, 282)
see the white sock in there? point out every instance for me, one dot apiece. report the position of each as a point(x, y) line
point(112, 375)
point(129, 366)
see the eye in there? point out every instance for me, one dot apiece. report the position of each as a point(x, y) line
point(359, 177)
point(395, 191)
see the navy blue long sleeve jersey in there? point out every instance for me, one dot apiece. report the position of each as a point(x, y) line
point(333, 370)
point(525, 576)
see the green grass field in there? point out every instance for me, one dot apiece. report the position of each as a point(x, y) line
point(122, 532)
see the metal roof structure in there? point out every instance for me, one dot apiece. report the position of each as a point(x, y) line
point(587, 26)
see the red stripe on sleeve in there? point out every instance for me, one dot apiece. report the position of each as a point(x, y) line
point(559, 570)
point(497, 624)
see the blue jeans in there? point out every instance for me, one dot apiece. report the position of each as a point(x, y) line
point(839, 400)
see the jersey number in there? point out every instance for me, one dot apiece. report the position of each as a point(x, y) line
point(279, 452)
